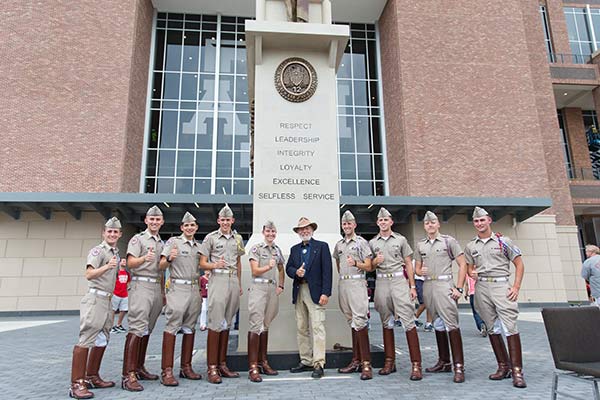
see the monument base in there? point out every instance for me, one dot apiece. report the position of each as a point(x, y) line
point(284, 360)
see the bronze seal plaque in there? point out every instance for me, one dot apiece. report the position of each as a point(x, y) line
point(296, 79)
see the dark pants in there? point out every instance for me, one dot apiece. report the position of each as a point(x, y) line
point(478, 320)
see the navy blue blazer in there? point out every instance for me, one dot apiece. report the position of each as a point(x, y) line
point(319, 270)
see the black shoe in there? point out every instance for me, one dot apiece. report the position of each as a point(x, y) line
point(300, 368)
point(318, 372)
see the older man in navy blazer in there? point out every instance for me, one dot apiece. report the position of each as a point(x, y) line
point(310, 267)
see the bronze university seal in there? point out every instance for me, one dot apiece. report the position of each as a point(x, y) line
point(296, 80)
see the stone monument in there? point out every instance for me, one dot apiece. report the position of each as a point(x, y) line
point(291, 73)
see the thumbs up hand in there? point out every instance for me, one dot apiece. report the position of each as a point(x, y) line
point(173, 253)
point(379, 258)
point(112, 264)
point(150, 256)
point(220, 263)
point(350, 261)
point(300, 271)
point(272, 262)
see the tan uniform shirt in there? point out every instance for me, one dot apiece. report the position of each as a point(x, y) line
point(186, 264)
point(139, 245)
point(492, 257)
point(357, 248)
point(97, 257)
point(217, 245)
point(395, 248)
point(437, 256)
point(263, 254)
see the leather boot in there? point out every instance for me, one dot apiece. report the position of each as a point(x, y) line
point(79, 389)
point(364, 353)
point(223, 344)
point(263, 364)
point(187, 350)
point(516, 358)
point(212, 357)
point(457, 355)
point(129, 381)
point(389, 349)
point(504, 370)
point(414, 350)
point(141, 371)
point(354, 365)
point(166, 364)
point(93, 367)
point(443, 364)
point(253, 344)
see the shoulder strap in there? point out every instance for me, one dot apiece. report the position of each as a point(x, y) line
point(448, 249)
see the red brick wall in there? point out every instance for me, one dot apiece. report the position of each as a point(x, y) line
point(461, 113)
point(73, 80)
point(548, 122)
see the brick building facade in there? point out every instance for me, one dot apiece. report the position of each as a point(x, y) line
point(462, 111)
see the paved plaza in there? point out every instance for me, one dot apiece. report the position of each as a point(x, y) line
point(36, 361)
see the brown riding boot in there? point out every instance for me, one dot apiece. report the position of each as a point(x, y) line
point(141, 371)
point(501, 354)
point(364, 353)
point(354, 365)
point(212, 357)
point(263, 364)
point(457, 355)
point(443, 364)
point(129, 381)
point(253, 344)
point(187, 350)
point(93, 367)
point(389, 349)
point(516, 358)
point(166, 364)
point(223, 343)
point(414, 350)
point(79, 389)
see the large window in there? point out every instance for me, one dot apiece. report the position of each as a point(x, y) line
point(547, 39)
point(565, 145)
point(359, 121)
point(592, 133)
point(198, 139)
point(580, 35)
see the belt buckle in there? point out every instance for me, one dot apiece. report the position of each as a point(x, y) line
point(489, 279)
point(434, 277)
point(230, 272)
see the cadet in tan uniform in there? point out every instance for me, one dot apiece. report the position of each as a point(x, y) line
point(145, 299)
point(434, 255)
point(266, 262)
point(394, 296)
point(220, 253)
point(488, 258)
point(96, 314)
point(353, 255)
point(181, 255)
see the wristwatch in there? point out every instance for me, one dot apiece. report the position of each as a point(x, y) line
point(413, 287)
point(460, 290)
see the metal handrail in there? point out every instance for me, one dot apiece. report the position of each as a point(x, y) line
point(564, 58)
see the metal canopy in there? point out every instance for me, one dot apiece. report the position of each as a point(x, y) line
point(131, 207)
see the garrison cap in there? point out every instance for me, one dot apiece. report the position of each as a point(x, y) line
point(479, 212)
point(188, 218)
point(226, 212)
point(429, 216)
point(154, 211)
point(113, 223)
point(383, 213)
point(348, 217)
point(269, 225)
